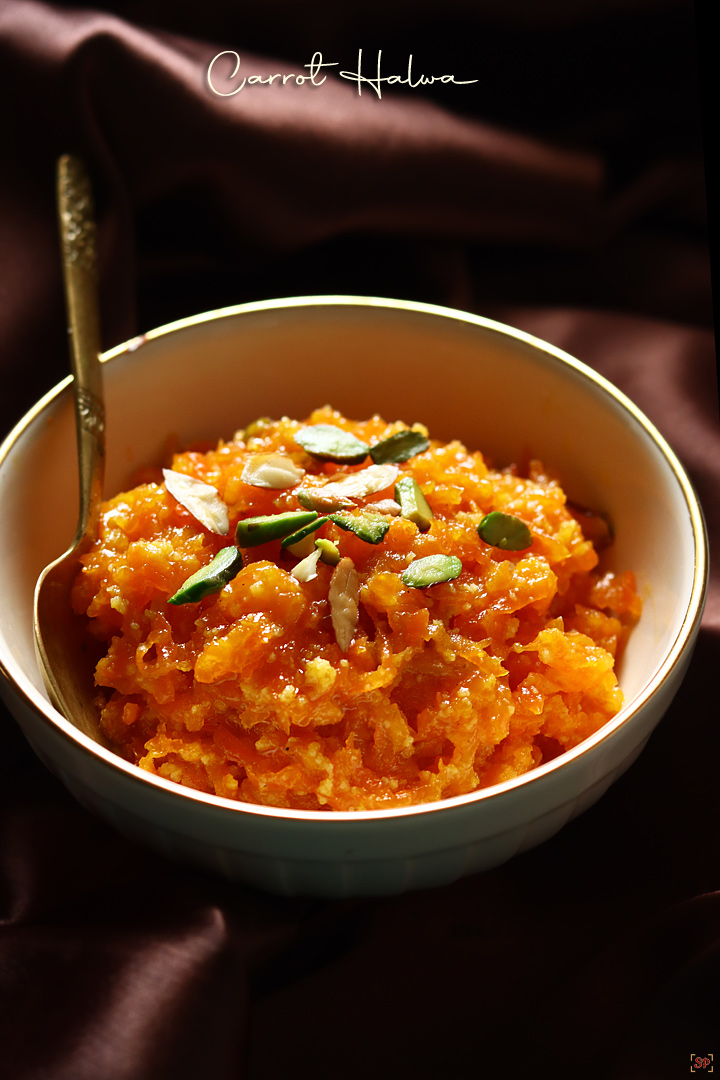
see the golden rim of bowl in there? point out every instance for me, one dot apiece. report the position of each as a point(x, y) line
point(685, 636)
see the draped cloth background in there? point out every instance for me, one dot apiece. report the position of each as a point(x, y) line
point(563, 192)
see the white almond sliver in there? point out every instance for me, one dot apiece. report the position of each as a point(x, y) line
point(272, 471)
point(201, 499)
point(307, 569)
point(304, 547)
point(316, 499)
point(343, 487)
point(344, 598)
point(384, 506)
point(366, 482)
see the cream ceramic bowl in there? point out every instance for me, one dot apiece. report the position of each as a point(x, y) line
point(494, 388)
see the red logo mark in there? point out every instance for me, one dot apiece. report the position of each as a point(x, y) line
point(698, 1062)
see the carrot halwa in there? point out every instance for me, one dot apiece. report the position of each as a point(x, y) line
point(329, 667)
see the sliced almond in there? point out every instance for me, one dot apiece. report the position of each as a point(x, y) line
point(342, 490)
point(272, 471)
point(344, 599)
point(316, 499)
point(307, 569)
point(304, 547)
point(201, 499)
point(384, 506)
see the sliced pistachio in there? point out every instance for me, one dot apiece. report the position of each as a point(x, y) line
point(344, 599)
point(253, 531)
point(201, 499)
point(399, 447)
point(369, 527)
point(307, 569)
point(413, 504)
point(211, 578)
point(300, 534)
point(271, 471)
point(338, 492)
point(329, 554)
point(329, 443)
point(504, 531)
point(431, 570)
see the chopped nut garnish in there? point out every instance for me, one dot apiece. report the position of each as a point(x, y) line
point(272, 471)
point(340, 491)
point(201, 499)
point(413, 504)
point(431, 570)
point(253, 531)
point(307, 569)
point(329, 553)
point(504, 531)
point(211, 578)
point(399, 447)
point(330, 443)
point(384, 506)
point(291, 542)
point(302, 548)
point(344, 598)
point(370, 527)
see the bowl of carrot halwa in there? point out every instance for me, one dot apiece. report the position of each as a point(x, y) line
point(378, 595)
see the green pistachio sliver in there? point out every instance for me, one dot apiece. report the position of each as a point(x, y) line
point(413, 504)
point(251, 532)
point(504, 531)
point(369, 527)
point(399, 447)
point(296, 537)
point(329, 553)
point(329, 443)
point(431, 570)
point(211, 578)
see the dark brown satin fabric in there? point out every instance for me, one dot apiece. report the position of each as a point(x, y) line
point(563, 193)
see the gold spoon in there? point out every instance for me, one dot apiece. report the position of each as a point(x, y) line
point(65, 660)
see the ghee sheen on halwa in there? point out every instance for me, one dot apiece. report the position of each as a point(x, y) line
point(340, 687)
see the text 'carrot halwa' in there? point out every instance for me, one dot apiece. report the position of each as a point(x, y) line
point(339, 615)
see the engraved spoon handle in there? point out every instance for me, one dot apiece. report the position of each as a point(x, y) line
point(78, 238)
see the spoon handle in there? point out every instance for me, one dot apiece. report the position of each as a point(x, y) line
point(79, 259)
